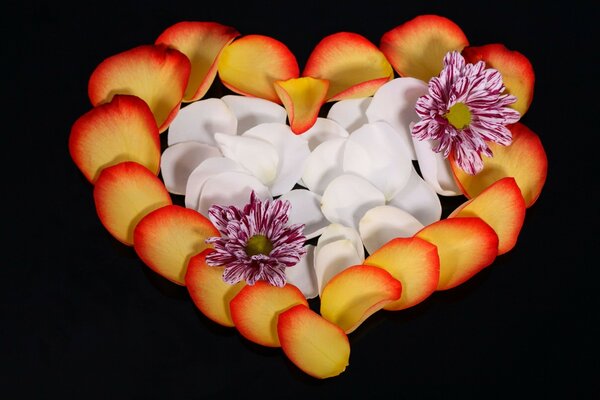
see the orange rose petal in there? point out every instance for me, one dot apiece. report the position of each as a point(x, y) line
point(417, 47)
point(209, 292)
point(202, 43)
point(167, 238)
point(124, 194)
point(465, 246)
point(517, 71)
point(348, 59)
point(316, 346)
point(356, 293)
point(254, 310)
point(251, 65)
point(302, 98)
point(525, 160)
point(121, 130)
point(502, 207)
point(412, 261)
point(155, 73)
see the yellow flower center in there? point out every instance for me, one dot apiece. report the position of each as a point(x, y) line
point(459, 116)
point(259, 244)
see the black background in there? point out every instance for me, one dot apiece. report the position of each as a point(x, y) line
point(82, 317)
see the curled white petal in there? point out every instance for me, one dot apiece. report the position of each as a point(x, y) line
point(324, 129)
point(347, 198)
point(178, 161)
point(323, 165)
point(306, 209)
point(351, 113)
point(230, 189)
point(199, 121)
point(333, 258)
point(256, 155)
point(335, 232)
point(207, 169)
point(252, 111)
point(292, 151)
point(419, 199)
point(394, 102)
point(381, 224)
point(436, 169)
point(377, 152)
point(303, 276)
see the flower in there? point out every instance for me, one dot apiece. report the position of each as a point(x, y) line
point(465, 108)
point(256, 244)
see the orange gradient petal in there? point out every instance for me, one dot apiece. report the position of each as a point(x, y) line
point(517, 71)
point(167, 238)
point(412, 261)
point(155, 73)
point(209, 292)
point(525, 160)
point(316, 346)
point(417, 47)
point(251, 65)
point(356, 293)
point(347, 60)
point(124, 194)
point(302, 99)
point(254, 310)
point(502, 207)
point(202, 43)
point(465, 246)
point(121, 130)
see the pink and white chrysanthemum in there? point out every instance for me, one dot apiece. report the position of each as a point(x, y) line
point(466, 107)
point(255, 243)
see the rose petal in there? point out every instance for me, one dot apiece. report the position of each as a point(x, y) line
point(302, 98)
point(303, 276)
point(323, 165)
point(178, 162)
point(351, 113)
point(200, 121)
point(435, 169)
point(207, 169)
point(381, 224)
point(306, 209)
point(252, 111)
point(323, 130)
point(419, 200)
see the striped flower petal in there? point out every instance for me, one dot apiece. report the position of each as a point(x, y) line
point(202, 43)
point(302, 98)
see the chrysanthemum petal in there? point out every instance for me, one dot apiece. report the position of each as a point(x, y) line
point(302, 98)
point(292, 151)
point(465, 246)
point(350, 113)
point(251, 64)
point(348, 59)
point(417, 47)
point(324, 164)
point(210, 294)
point(335, 232)
point(178, 162)
point(502, 207)
point(121, 130)
point(207, 169)
point(394, 103)
point(517, 72)
point(412, 261)
point(256, 155)
point(348, 197)
point(332, 258)
point(324, 129)
point(435, 169)
point(306, 209)
point(167, 238)
point(123, 194)
point(199, 121)
point(202, 43)
point(357, 293)
point(255, 309)
point(316, 346)
point(525, 160)
point(230, 188)
point(252, 111)
point(419, 200)
point(379, 154)
point(381, 224)
point(303, 276)
point(155, 73)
